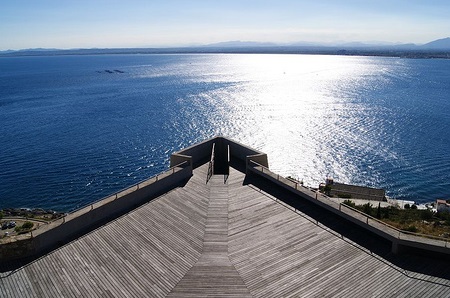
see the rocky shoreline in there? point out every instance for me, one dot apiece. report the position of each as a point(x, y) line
point(37, 213)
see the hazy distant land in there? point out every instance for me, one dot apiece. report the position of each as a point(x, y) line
point(436, 49)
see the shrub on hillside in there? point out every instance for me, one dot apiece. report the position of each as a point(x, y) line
point(349, 203)
point(27, 225)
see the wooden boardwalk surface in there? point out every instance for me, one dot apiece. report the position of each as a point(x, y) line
point(223, 239)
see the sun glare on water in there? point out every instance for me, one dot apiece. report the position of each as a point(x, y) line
point(302, 110)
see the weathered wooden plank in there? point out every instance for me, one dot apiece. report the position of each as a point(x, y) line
point(213, 274)
point(221, 239)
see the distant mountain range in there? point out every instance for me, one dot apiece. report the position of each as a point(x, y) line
point(435, 49)
point(440, 44)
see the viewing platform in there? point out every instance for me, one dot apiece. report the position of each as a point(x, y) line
point(219, 223)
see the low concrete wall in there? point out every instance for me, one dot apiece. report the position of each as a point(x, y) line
point(56, 233)
point(201, 152)
point(398, 244)
point(197, 153)
point(243, 152)
point(16, 249)
point(176, 159)
point(258, 158)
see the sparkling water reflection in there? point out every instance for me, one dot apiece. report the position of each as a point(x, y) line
point(73, 132)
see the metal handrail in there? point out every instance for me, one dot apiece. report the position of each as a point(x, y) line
point(211, 164)
point(297, 183)
point(399, 231)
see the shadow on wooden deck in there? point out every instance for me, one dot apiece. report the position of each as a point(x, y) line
point(411, 263)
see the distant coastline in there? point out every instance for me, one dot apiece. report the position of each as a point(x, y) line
point(309, 50)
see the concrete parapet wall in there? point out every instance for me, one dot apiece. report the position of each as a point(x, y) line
point(258, 158)
point(243, 152)
point(400, 241)
point(197, 153)
point(16, 249)
point(201, 152)
point(176, 159)
point(54, 234)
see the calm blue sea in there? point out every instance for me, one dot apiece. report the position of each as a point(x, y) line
point(76, 128)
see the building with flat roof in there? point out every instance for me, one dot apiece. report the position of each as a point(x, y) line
point(353, 191)
point(219, 223)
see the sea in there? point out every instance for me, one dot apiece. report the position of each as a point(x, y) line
point(74, 129)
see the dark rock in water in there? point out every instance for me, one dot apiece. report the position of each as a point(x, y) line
point(118, 71)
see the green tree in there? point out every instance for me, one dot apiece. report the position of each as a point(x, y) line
point(412, 229)
point(426, 215)
point(327, 190)
point(349, 203)
point(367, 209)
point(386, 212)
point(27, 225)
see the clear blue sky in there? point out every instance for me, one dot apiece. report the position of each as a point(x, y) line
point(150, 23)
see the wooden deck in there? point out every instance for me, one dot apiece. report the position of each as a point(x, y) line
point(227, 239)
